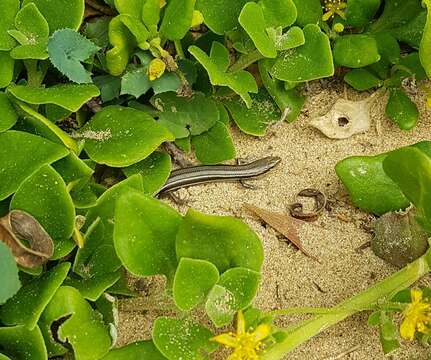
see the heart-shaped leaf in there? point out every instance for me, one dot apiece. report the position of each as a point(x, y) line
point(242, 82)
point(311, 61)
point(7, 20)
point(177, 19)
point(215, 145)
point(220, 15)
point(359, 13)
point(98, 256)
point(61, 13)
point(356, 51)
point(222, 240)
point(193, 281)
point(18, 342)
point(67, 49)
point(179, 339)
point(253, 21)
point(32, 33)
point(68, 96)
point(155, 170)
point(118, 136)
point(185, 116)
point(45, 197)
point(9, 274)
point(26, 307)
point(8, 114)
point(144, 235)
point(83, 327)
point(21, 155)
point(254, 120)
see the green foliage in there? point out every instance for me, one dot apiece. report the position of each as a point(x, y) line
point(425, 45)
point(356, 51)
point(144, 350)
point(9, 270)
point(8, 114)
point(67, 49)
point(177, 19)
point(9, 11)
point(20, 343)
point(402, 110)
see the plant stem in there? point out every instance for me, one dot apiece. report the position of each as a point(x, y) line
point(179, 49)
point(245, 61)
point(384, 289)
point(34, 76)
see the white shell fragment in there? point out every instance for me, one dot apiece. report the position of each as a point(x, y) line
point(346, 118)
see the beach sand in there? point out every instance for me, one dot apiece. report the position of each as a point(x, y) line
point(290, 278)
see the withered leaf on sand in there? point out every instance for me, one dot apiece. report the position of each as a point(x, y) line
point(30, 244)
point(284, 224)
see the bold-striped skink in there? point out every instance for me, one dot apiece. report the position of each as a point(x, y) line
point(213, 173)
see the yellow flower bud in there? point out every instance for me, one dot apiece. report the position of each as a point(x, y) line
point(338, 27)
point(156, 69)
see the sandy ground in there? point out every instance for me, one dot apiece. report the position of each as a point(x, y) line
point(289, 277)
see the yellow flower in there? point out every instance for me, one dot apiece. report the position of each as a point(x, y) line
point(332, 8)
point(417, 316)
point(245, 344)
point(156, 69)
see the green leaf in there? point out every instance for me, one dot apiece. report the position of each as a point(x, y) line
point(119, 136)
point(8, 114)
point(144, 235)
point(94, 287)
point(155, 171)
point(242, 82)
point(98, 256)
point(278, 12)
point(214, 146)
point(411, 33)
point(68, 96)
point(395, 14)
point(179, 339)
point(425, 45)
point(359, 13)
point(142, 350)
point(311, 61)
point(67, 49)
point(355, 51)
point(9, 11)
point(401, 109)
point(362, 79)
point(253, 21)
point(185, 116)
point(45, 197)
point(222, 240)
point(374, 319)
point(9, 275)
point(177, 19)
point(109, 87)
point(254, 120)
point(220, 15)
point(83, 329)
point(193, 281)
point(72, 169)
point(20, 343)
point(135, 82)
point(388, 334)
point(410, 169)
point(61, 13)
point(26, 307)
point(369, 187)
point(235, 291)
point(97, 31)
point(293, 38)
point(30, 153)
point(309, 12)
point(151, 13)
point(6, 73)
point(290, 102)
point(33, 32)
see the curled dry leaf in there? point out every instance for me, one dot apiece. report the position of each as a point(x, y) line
point(29, 242)
point(346, 118)
point(297, 209)
point(284, 224)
